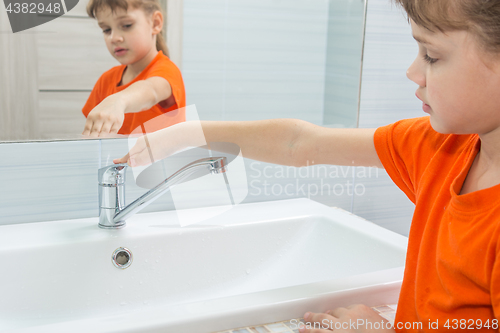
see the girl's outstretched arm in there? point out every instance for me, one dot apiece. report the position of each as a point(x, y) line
point(282, 141)
point(108, 116)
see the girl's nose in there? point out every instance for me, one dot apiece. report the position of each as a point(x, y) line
point(116, 37)
point(416, 72)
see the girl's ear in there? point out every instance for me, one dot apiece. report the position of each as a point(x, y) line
point(157, 22)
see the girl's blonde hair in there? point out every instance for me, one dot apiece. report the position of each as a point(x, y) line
point(149, 7)
point(480, 17)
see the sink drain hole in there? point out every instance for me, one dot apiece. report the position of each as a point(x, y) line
point(122, 258)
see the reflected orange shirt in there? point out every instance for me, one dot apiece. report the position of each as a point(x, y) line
point(452, 272)
point(161, 66)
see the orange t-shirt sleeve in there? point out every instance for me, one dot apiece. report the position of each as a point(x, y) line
point(172, 74)
point(405, 148)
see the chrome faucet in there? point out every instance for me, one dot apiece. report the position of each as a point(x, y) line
point(112, 209)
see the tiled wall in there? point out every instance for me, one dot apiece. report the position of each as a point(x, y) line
point(387, 95)
point(344, 46)
point(246, 60)
point(255, 59)
point(47, 181)
point(58, 180)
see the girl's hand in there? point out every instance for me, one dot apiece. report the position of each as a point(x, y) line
point(354, 318)
point(106, 118)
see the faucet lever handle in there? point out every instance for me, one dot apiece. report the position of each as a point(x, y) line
point(111, 194)
point(112, 174)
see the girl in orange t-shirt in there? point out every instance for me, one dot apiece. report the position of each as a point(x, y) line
point(147, 85)
point(448, 164)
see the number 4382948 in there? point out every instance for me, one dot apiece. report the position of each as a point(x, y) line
point(33, 8)
point(471, 324)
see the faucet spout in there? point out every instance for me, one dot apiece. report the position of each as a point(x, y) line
point(113, 212)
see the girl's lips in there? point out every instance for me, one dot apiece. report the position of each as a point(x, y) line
point(120, 52)
point(426, 107)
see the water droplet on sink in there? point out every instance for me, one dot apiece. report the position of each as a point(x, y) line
point(140, 282)
point(145, 260)
point(248, 271)
point(107, 292)
point(121, 287)
point(123, 303)
point(157, 261)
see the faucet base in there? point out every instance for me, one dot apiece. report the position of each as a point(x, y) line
point(116, 225)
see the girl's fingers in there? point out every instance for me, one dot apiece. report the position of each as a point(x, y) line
point(133, 154)
point(105, 129)
point(88, 127)
point(111, 127)
point(96, 129)
point(115, 128)
point(137, 158)
point(317, 317)
point(123, 159)
point(324, 322)
point(140, 159)
point(339, 312)
point(138, 155)
point(138, 147)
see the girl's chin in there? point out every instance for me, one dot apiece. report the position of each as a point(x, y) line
point(437, 126)
point(443, 128)
point(124, 60)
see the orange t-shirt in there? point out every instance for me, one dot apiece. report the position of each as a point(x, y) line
point(160, 66)
point(452, 272)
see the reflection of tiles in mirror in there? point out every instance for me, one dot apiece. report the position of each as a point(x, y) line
point(388, 312)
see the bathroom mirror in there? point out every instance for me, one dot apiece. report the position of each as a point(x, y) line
point(240, 60)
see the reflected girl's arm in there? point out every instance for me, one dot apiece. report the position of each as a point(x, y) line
point(108, 116)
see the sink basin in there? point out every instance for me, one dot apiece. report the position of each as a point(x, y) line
point(256, 263)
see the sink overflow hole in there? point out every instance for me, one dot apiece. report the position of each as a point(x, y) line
point(122, 258)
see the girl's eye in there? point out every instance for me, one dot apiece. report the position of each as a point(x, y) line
point(106, 31)
point(429, 59)
point(126, 26)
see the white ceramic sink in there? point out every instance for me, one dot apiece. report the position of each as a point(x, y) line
point(255, 263)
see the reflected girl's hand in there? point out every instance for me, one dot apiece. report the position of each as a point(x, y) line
point(106, 118)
